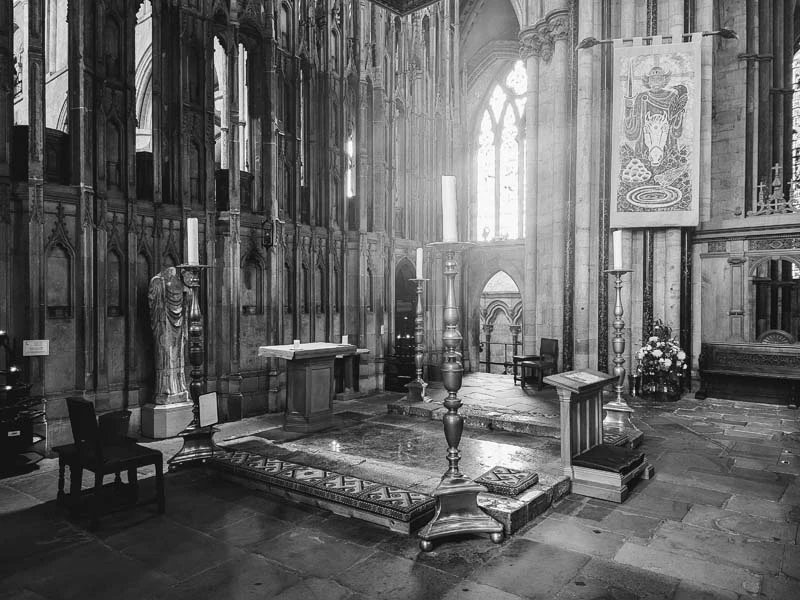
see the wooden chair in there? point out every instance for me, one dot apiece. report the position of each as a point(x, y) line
point(103, 449)
point(537, 365)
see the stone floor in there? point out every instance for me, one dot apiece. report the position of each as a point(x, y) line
point(719, 519)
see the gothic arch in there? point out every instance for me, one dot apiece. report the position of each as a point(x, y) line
point(487, 278)
point(144, 85)
point(755, 263)
point(62, 124)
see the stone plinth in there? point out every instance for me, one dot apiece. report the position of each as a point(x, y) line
point(161, 421)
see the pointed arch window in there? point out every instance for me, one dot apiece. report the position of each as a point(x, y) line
point(500, 158)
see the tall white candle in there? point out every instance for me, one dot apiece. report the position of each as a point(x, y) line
point(192, 244)
point(419, 263)
point(617, 235)
point(449, 227)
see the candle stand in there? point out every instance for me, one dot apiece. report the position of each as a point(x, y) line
point(457, 510)
point(198, 442)
point(617, 425)
point(416, 389)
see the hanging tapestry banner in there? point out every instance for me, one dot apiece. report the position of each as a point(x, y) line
point(655, 163)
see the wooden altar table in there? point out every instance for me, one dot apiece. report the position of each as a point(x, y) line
point(310, 382)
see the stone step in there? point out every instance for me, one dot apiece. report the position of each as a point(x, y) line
point(383, 504)
point(480, 418)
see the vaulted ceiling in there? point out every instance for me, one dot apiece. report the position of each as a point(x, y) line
point(404, 7)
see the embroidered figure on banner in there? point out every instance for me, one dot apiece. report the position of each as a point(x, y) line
point(656, 135)
point(655, 171)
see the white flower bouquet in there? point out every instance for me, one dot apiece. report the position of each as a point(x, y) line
point(661, 359)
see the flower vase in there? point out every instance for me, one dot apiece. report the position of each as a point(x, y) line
point(660, 388)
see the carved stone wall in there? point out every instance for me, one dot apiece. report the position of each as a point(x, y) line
point(85, 246)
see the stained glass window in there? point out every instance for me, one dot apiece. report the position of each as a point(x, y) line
point(500, 158)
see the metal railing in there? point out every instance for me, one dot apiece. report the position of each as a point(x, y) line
point(498, 354)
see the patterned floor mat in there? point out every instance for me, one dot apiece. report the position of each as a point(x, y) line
point(376, 498)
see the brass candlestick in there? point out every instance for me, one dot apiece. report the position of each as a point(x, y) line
point(457, 509)
point(416, 389)
point(198, 443)
point(617, 425)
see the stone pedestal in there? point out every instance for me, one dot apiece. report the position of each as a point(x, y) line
point(161, 421)
point(416, 391)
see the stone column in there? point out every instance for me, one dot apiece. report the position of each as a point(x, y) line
point(514, 329)
point(379, 158)
point(487, 331)
point(553, 173)
point(704, 21)
point(672, 263)
point(631, 240)
point(586, 194)
point(228, 256)
point(6, 123)
point(33, 206)
point(529, 51)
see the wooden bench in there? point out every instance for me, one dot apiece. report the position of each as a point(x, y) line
point(596, 469)
point(751, 372)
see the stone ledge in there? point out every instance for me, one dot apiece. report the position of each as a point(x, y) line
point(478, 418)
point(351, 496)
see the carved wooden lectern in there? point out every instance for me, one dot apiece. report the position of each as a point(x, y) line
point(596, 469)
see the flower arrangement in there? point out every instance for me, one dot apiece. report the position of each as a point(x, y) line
point(661, 359)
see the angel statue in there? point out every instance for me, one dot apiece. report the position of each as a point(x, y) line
point(169, 310)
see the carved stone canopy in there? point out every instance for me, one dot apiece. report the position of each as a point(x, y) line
point(404, 7)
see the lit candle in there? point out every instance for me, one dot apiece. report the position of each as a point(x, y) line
point(192, 245)
point(419, 263)
point(617, 235)
point(449, 228)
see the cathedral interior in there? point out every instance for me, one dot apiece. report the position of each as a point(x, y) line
point(315, 143)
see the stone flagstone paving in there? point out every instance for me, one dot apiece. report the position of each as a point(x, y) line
point(718, 521)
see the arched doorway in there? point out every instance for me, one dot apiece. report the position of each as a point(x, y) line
point(400, 368)
point(500, 323)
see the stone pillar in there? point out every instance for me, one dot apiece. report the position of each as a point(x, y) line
point(553, 173)
point(33, 206)
point(704, 18)
point(529, 51)
point(6, 123)
point(672, 263)
point(380, 164)
point(514, 329)
point(586, 193)
point(631, 240)
point(228, 255)
point(487, 331)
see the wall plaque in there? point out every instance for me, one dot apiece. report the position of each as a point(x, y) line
point(35, 347)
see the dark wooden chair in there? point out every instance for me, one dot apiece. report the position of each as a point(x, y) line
point(537, 365)
point(104, 449)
